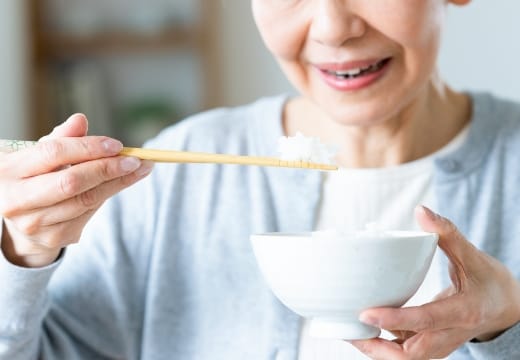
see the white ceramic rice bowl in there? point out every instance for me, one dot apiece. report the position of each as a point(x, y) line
point(330, 278)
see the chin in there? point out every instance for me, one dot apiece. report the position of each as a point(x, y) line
point(359, 114)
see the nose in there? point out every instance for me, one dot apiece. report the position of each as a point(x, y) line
point(334, 23)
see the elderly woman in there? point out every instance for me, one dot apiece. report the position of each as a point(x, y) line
point(164, 269)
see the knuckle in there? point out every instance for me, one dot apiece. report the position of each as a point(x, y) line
point(127, 180)
point(473, 319)
point(9, 211)
point(87, 146)
point(6, 209)
point(69, 183)
point(54, 241)
point(30, 226)
point(89, 199)
point(452, 231)
point(469, 313)
point(419, 350)
point(427, 321)
point(10, 207)
point(450, 227)
point(50, 150)
point(104, 170)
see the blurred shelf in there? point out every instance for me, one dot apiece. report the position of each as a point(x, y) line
point(51, 50)
point(62, 45)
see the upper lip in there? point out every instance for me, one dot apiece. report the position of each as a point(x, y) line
point(347, 65)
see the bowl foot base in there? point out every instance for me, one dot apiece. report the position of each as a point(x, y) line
point(345, 330)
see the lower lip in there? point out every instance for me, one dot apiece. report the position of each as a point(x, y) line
point(353, 84)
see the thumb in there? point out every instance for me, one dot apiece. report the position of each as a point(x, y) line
point(75, 126)
point(459, 251)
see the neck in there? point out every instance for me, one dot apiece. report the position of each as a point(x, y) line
point(422, 127)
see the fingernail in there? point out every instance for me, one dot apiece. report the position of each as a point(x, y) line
point(129, 164)
point(145, 169)
point(431, 215)
point(112, 146)
point(369, 320)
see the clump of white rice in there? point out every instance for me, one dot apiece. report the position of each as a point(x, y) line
point(302, 148)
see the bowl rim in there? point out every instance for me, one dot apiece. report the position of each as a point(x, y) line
point(367, 235)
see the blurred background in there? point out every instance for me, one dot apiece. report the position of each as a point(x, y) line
point(134, 67)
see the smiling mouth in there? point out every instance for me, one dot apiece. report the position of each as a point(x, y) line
point(358, 72)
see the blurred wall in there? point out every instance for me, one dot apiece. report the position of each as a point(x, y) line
point(13, 84)
point(247, 68)
point(481, 51)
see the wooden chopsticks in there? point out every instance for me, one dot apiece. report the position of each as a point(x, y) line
point(170, 156)
point(210, 158)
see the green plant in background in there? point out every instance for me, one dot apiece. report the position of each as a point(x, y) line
point(143, 119)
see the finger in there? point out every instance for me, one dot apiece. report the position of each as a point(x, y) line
point(425, 345)
point(441, 314)
point(379, 349)
point(75, 126)
point(68, 232)
point(460, 252)
point(434, 345)
point(56, 187)
point(46, 156)
point(401, 335)
point(75, 207)
point(55, 236)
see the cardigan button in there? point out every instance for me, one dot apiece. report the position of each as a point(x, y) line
point(450, 165)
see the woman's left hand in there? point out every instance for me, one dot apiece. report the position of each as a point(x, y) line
point(482, 302)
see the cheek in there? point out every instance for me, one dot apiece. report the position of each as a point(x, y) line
point(415, 27)
point(282, 31)
point(413, 24)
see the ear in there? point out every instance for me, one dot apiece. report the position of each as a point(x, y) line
point(459, 2)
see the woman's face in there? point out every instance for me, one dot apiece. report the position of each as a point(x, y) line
point(362, 61)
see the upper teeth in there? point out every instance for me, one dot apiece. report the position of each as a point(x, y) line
point(351, 72)
point(354, 72)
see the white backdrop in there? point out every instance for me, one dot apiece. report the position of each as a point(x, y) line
point(481, 48)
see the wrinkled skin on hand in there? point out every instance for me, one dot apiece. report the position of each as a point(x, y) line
point(50, 191)
point(482, 302)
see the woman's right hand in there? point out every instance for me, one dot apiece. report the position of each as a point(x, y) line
point(45, 202)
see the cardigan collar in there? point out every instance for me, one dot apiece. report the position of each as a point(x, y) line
point(482, 132)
